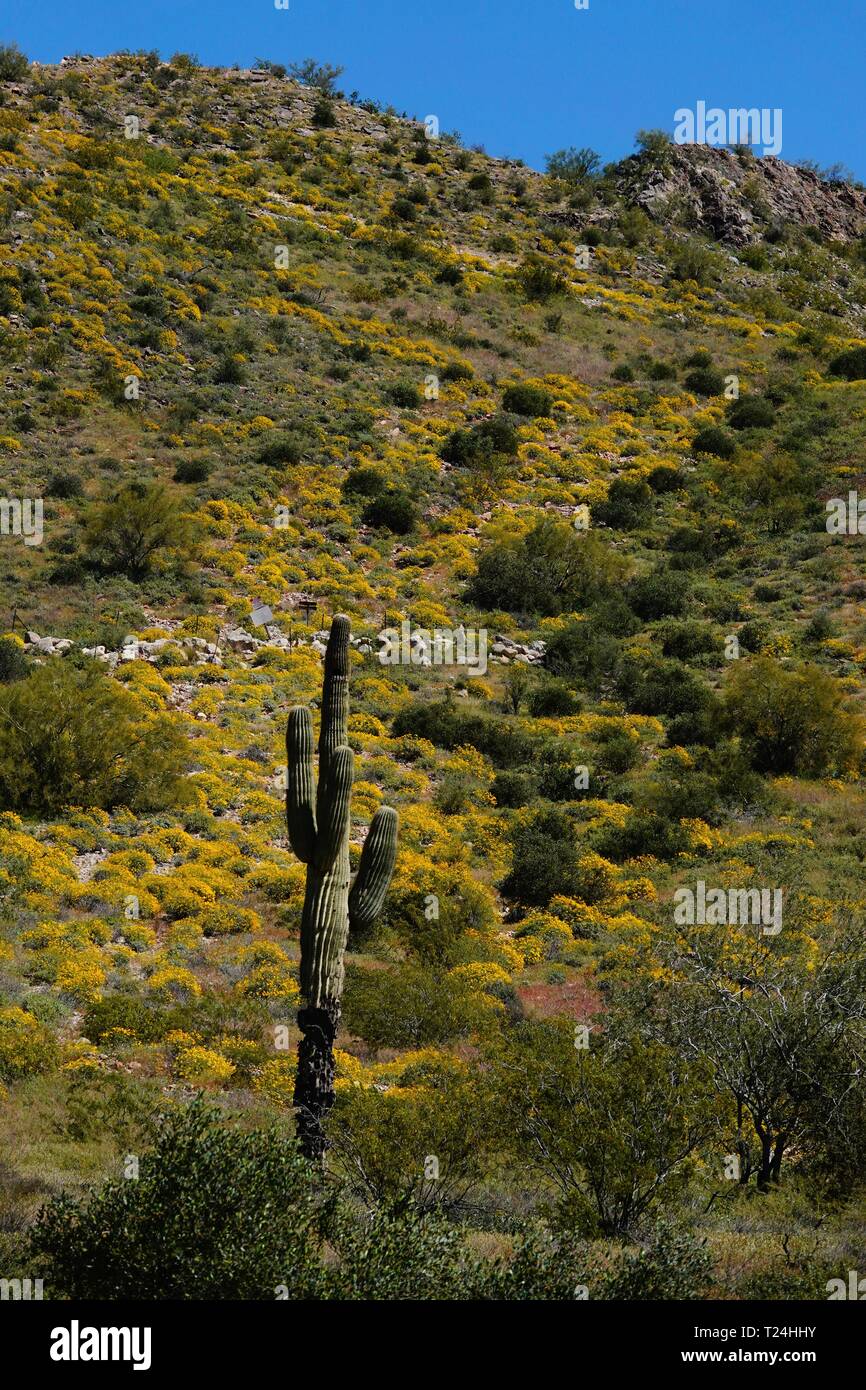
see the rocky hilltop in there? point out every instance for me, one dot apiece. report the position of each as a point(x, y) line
point(738, 198)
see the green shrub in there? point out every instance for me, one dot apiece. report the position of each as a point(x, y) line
point(125, 1011)
point(714, 440)
point(192, 471)
point(513, 789)
point(524, 399)
point(650, 684)
point(644, 833)
point(73, 736)
point(13, 662)
point(552, 569)
point(215, 1213)
point(691, 638)
point(404, 210)
point(127, 533)
point(706, 381)
point(14, 65)
point(409, 1006)
point(281, 451)
point(544, 859)
point(363, 482)
point(552, 697)
point(66, 487)
point(583, 653)
point(404, 394)
point(851, 364)
point(793, 721)
point(26, 1045)
point(751, 413)
point(541, 279)
point(494, 436)
point(229, 371)
point(572, 165)
point(623, 373)
point(627, 504)
point(660, 594)
point(447, 725)
point(392, 510)
point(692, 261)
point(324, 113)
point(670, 1264)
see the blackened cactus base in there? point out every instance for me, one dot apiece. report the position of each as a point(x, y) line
point(314, 1083)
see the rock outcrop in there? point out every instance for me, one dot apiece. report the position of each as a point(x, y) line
point(738, 198)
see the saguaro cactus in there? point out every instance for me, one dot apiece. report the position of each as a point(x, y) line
point(318, 821)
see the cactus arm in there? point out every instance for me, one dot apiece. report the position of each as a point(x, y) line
point(300, 816)
point(335, 699)
point(335, 801)
point(374, 872)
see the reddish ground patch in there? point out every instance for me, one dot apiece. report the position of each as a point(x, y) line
point(573, 999)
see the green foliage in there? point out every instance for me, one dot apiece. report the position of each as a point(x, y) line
point(614, 1128)
point(192, 471)
point(583, 652)
point(72, 736)
point(690, 638)
point(553, 697)
point(14, 65)
point(752, 413)
point(392, 510)
point(322, 76)
point(284, 451)
point(324, 113)
point(411, 1005)
point(13, 662)
point(544, 859)
point(67, 487)
point(574, 166)
point(375, 1136)
point(655, 146)
point(97, 1104)
point(793, 721)
point(435, 938)
point(524, 399)
point(627, 504)
point(706, 381)
point(363, 482)
point(692, 260)
point(552, 569)
point(540, 278)
point(214, 1213)
point(448, 726)
point(669, 1264)
point(124, 1011)
point(651, 684)
point(27, 1046)
point(129, 533)
point(660, 594)
point(494, 436)
point(404, 393)
point(850, 364)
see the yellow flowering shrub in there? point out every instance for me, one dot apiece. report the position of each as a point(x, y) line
point(174, 982)
point(276, 1081)
point(26, 1045)
point(202, 1066)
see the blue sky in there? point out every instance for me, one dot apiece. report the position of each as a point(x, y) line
point(521, 77)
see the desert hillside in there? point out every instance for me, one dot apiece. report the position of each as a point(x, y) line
point(272, 354)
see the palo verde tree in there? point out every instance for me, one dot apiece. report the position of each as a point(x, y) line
point(318, 820)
